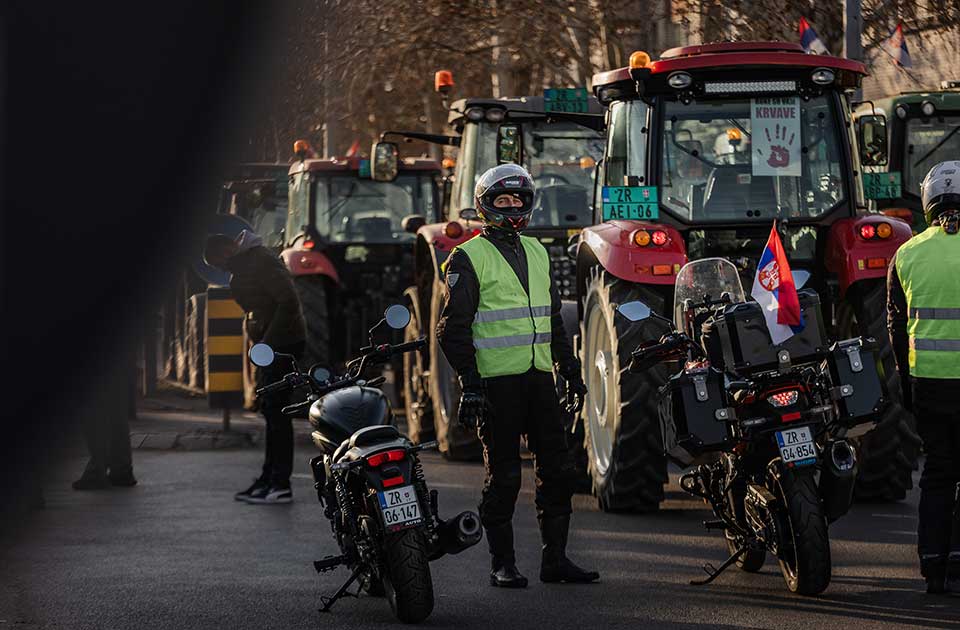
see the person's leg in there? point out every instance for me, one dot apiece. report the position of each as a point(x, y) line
point(952, 583)
point(499, 434)
point(937, 486)
point(94, 475)
point(555, 478)
point(118, 434)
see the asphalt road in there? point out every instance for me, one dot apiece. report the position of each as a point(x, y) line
point(177, 552)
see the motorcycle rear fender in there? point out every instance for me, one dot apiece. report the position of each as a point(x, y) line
point(848, 255)
point(611, 244)
point(306, 262)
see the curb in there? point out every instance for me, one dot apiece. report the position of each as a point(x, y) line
point(197, 440)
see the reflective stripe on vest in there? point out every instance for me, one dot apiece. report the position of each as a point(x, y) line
point(928, 266)
point(511, 329)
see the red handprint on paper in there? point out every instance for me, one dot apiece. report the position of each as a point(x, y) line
point(779, 154)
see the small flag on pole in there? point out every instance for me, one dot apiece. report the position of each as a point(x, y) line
point(354, 149)
point(775, 291)
point(809, 40)
point(897, 47)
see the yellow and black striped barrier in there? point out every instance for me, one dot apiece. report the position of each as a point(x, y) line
point(225, 350)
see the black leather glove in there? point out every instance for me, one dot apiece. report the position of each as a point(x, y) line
point(575, 390)
point(473, 401)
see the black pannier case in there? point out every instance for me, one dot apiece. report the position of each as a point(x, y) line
point(693, 431)
point(746, 344)
point(857, 385)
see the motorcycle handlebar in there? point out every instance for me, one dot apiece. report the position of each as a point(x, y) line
point(296, 408)
point(646, 357)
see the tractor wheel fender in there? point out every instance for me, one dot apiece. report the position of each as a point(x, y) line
point(853, 258)
point(612, 245)
point(304, 262)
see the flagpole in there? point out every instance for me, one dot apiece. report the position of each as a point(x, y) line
point(882, 48)
point(852, 29)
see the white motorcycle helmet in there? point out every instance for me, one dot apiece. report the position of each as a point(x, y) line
point(940, 190)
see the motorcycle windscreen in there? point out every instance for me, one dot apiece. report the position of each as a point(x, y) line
point(702, 278)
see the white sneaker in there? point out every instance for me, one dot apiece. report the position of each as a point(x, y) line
point(269, 496)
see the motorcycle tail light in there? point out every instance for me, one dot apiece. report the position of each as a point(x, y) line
point(867, 231)
point(659, 237)
point(783, 399)
point(387, 456)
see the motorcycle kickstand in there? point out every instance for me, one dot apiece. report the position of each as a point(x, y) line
point(713, 573)
point(328, 602)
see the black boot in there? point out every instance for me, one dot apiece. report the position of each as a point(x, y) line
point(94, 477)
point(952, 581)
point(503, 567)
point(555, 566)
point(934, 571)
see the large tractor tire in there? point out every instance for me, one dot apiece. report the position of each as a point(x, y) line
point(622, 429)
point(416, 398)
point(887, 456)
point(313, 299)
point(455, 442)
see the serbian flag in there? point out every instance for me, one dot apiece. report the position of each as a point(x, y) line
point(809, 40)
point(774, 290)
point(354, 149)
point(897, 47)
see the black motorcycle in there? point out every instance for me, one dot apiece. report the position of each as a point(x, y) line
point(764, 426)
point(370, 481)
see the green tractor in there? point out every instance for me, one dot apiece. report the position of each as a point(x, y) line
point(923, 129)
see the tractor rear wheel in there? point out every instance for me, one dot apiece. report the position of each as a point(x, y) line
point(313, 299)
point(416, 399)
point(455, 442)
point(622, 431)
point(887, 456)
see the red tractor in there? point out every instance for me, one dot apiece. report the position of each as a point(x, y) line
point(707, 146)
point(345, 244)
point(545, 134)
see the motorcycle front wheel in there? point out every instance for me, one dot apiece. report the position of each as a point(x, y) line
point(804, 551)
point(406, 575)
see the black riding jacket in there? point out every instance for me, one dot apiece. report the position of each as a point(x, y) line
point(462, 296)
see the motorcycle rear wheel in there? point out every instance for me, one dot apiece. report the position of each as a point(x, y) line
point(805, 552)
point(406, 575)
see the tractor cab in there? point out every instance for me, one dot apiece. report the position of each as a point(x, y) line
point(346, 247)
point(923, 129)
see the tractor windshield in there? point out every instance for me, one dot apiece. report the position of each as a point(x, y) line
point(929, 142)
point(350, 209)
point(751, 159)
point(560, 158)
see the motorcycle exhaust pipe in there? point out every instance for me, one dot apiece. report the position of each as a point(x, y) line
point(458, 533)
point(837, 477)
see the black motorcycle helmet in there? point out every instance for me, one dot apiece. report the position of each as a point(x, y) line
point(506, 179)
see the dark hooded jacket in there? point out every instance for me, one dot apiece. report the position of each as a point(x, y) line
point(263, 288)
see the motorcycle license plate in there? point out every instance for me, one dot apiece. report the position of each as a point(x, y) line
point(797, 447)
point(400, 507)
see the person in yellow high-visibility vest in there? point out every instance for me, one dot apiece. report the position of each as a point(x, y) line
point(923, 316)
point(502, 332)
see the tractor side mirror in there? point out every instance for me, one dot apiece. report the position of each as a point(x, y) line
point(509, 144)
point(385, 164)
point(413, 222)
point(872, 137)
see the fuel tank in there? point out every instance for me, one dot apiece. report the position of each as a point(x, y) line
point(340, 414)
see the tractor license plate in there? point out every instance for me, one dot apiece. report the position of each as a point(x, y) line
point(797, 447)
point(400, 507)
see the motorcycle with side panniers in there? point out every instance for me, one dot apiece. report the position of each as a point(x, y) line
point(760, 429)
point(369, 479)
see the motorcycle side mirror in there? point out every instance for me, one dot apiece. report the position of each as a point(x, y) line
point(261, 355)
point(800, 278)
point(469, 214)
point(397, 316)
point(634, 311)
point(320, 374)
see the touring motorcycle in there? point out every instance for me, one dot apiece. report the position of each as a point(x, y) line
point(761, 427)
point(370, 481)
